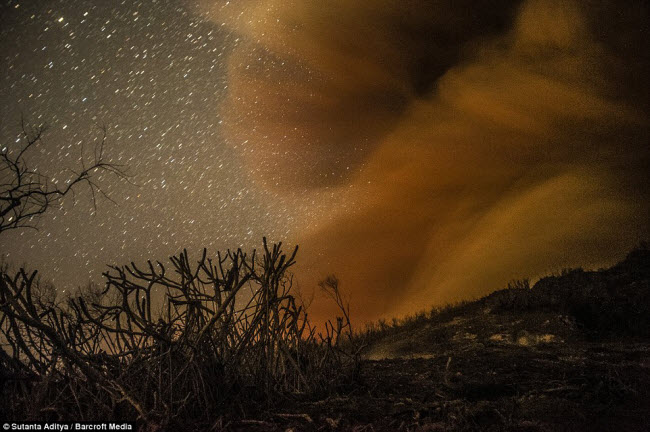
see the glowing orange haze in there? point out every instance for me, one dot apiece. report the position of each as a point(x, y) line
point(450, 153)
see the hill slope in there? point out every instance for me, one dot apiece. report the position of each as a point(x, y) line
point(571, 353)
point(575, 306)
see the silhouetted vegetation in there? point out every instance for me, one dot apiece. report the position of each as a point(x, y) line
point(184, 344)
point(26, 193)
point(223, 344)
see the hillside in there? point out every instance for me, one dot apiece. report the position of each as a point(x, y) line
point(575, 306)
point(571, 353)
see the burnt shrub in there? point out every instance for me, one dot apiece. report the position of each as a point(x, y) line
point(169, 345)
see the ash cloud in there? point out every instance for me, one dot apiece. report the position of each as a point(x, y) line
point(462, 144)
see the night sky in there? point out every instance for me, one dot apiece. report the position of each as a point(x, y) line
point(153, 73)
point(424, 153)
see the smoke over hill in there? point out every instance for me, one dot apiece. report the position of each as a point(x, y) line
point(451, 142)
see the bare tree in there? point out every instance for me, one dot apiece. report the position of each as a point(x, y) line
point(25, 193)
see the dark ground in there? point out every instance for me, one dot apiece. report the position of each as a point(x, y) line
point(470, 385)
point(570, 354)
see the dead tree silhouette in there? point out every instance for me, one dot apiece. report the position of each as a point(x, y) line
point(26, 193)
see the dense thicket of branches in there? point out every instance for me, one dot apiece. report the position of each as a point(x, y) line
point(162, 343)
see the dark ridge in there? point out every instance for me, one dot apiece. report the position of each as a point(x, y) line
point(608, 302)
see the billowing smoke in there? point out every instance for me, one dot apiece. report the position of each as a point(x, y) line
point(459, 144)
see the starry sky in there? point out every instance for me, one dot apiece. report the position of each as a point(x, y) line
point(424, 154)
point(153, 73)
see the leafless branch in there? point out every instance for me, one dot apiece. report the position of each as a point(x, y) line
point(25, 193)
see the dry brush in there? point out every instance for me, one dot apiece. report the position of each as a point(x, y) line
point(166, 343)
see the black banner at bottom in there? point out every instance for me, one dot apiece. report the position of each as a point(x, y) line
point(67, 426)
